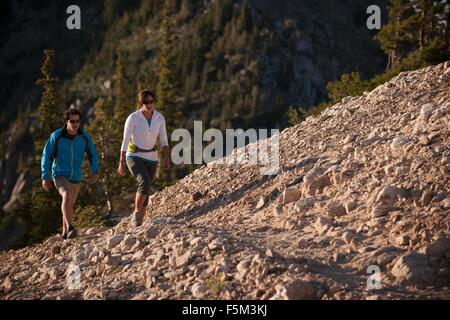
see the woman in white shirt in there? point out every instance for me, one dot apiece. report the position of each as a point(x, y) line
point(138, 151)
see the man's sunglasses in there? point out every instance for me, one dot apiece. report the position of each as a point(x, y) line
point(74, 121)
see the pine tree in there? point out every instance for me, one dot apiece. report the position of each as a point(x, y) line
point(40, 213)
point(113, 133)
point(122, 105)
point(167, 86)
point(430, 17)
point(49, 112)
point(100, 129)
point(397, 35)
point(416, 30)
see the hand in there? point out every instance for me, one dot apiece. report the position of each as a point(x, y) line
point(47, 184)
point(121, 170)
point(93, 179)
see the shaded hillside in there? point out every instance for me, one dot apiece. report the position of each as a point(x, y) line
point(239, 63)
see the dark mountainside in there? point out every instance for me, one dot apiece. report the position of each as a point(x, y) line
point(236, 67)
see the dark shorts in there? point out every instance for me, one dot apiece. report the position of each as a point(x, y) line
point(144, 171)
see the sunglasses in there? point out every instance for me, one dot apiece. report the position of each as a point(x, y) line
point(74, 121)
point(148, 101)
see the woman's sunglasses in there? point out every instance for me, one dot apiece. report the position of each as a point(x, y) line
point(148, 101)
point(74, 121)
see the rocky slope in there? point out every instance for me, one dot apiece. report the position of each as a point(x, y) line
point(365, 185)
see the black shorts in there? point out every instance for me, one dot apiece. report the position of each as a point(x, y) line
point(144, 171)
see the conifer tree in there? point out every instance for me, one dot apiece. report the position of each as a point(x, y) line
point(49, 112)
point(122, 104)
point(113, 132)
point(397, 35)
point(40, 213)
point(167, 89)
point(101, 129)
point(430, 19)
point(167, 86)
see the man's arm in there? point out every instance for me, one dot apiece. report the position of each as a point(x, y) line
point(94, 155)
point(46, 163)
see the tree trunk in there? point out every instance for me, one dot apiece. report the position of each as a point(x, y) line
point(422, 31)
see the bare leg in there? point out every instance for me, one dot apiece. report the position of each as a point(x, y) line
point(65, 209)
point(139, 202)
point(72, 198)
point(145, 205)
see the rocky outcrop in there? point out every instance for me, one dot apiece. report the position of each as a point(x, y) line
point(359, 210)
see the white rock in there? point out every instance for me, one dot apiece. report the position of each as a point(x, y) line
point(183, 260)
point(199, 290)
point(426, 111)
point(399, 142)
point(388, 194)
point(260, 203)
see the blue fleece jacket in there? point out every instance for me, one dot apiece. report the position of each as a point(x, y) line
point(63, 155)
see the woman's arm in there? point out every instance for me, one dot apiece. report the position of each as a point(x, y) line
point(164, 144)
point(128, 129)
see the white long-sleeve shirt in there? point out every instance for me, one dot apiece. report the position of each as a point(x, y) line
point(137, 130)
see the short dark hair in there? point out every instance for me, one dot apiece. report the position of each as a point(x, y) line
point(70, 112)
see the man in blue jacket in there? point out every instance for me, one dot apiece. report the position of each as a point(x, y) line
point(62, 159)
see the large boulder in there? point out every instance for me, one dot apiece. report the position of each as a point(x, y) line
point(413, 269)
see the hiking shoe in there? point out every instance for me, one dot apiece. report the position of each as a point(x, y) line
point(72, 233)
point(137, 218)
point(64, 235)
